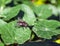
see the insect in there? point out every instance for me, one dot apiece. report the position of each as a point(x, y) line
point(22, 23)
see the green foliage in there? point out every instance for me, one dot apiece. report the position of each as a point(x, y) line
point(35, 16)
point(11, 12)
point(46, 28)
point(43, 11)
point(3, 2)
point(1, 44)
point(29, 16)
point(2, 23)
point(14, 34)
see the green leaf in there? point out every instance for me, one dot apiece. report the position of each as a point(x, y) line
point(2, 23)
point(8, 33)
point(54, 10)
point(46, 28)
point(1, 11)
point(3, 2)
point(42, 11)
point(1, 44)
point(11, 12)
point(29, 16)
point(22, 35)
point(11, 34)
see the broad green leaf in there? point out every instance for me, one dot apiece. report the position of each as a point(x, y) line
point(49, 23)
point(2, 23)
point(1, 11)
point(8, 33)
point(46, 28)
point(3, 2)
point(12, 34)
point(29, 16)
point(22, 35)
point(11, 12)
point(54, 10)
point(1, 44)
point(43, 11)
